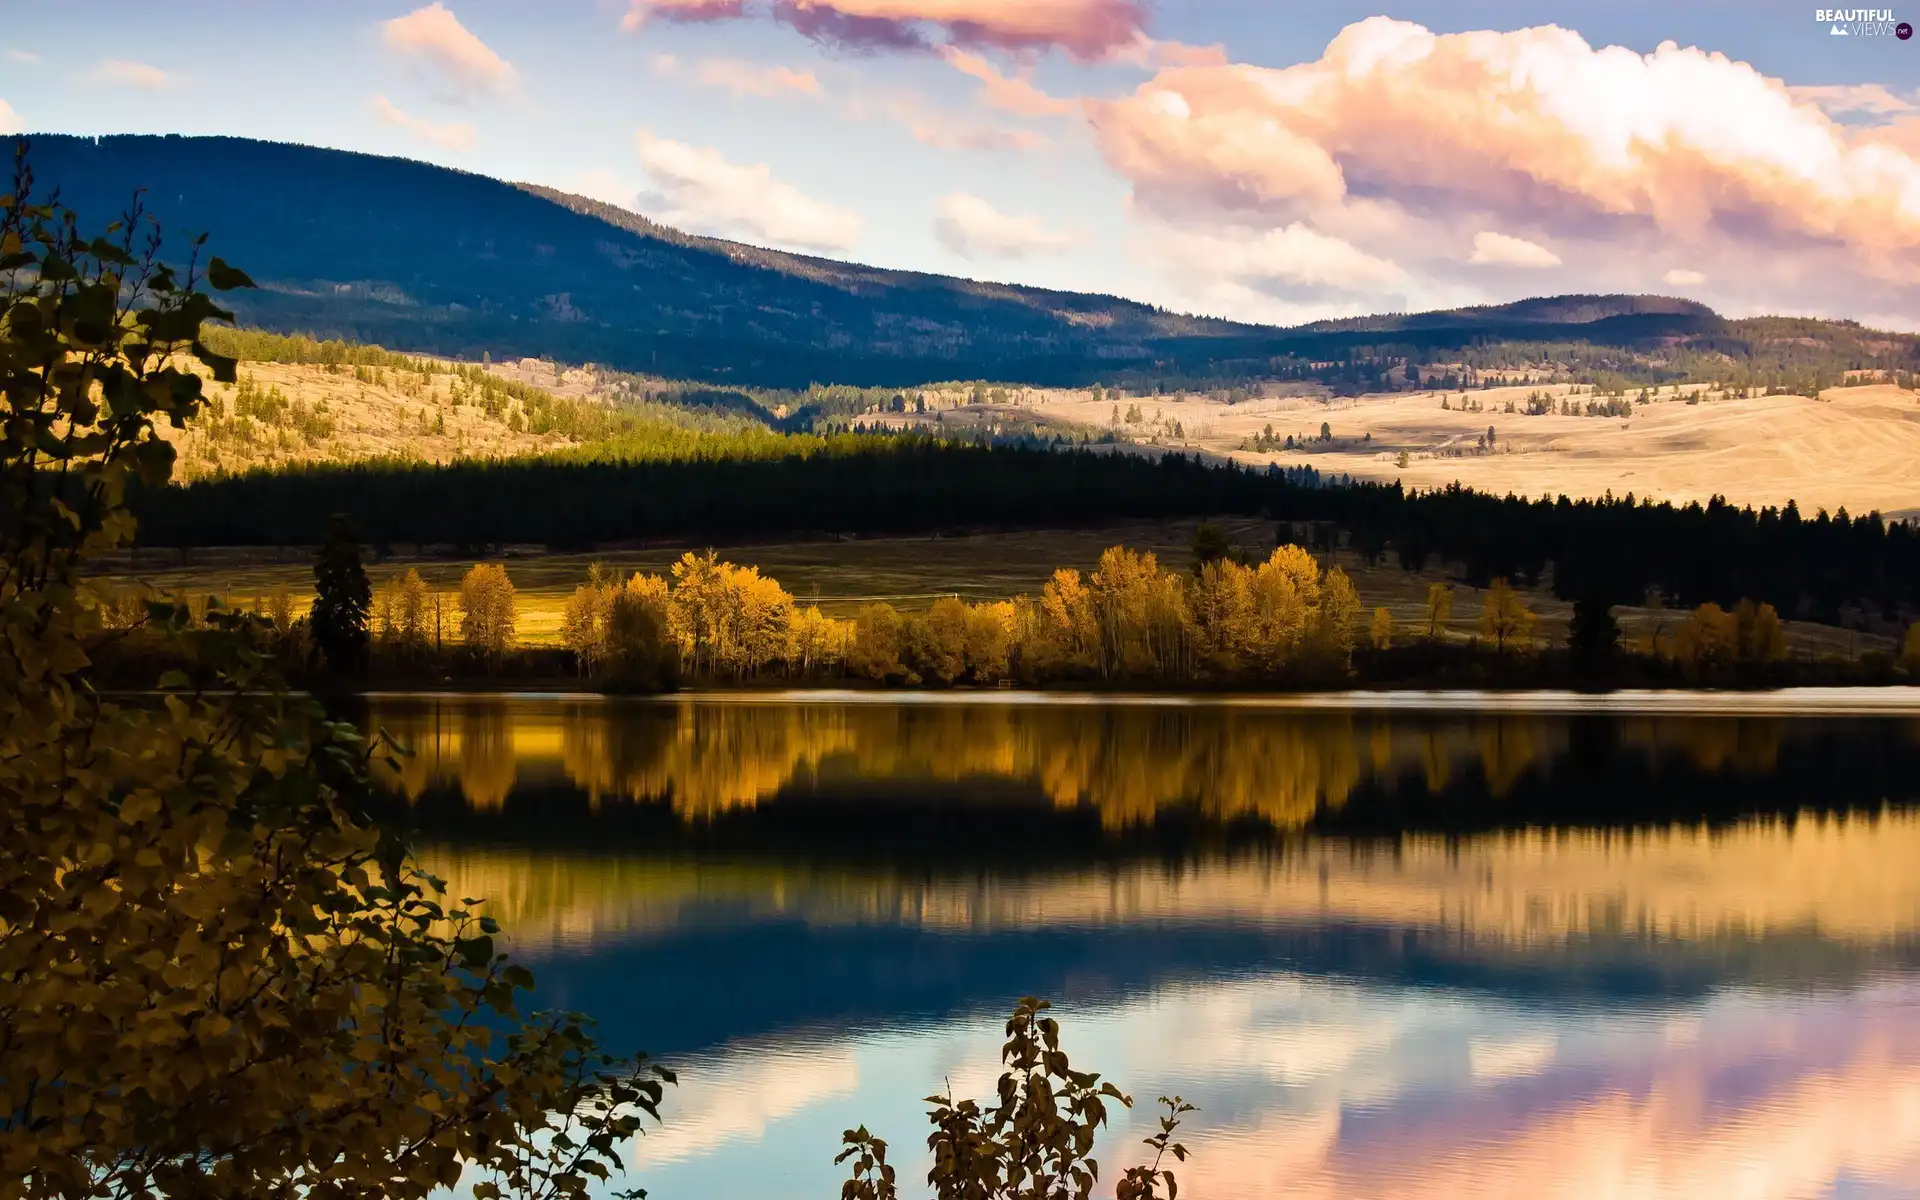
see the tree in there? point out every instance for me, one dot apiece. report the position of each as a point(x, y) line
point(403, 612)
point(1762, 638)
point(1504, 616)
point(342, 599)
point(1910, 649)
point(1210, 545)
point(1439, 610)
point(1380, 633)
point(1593, 636)
point(1033, 1142)
point(487, 609)
point(217, 978)
point(1708, 638)
point(874, 651)
point(939, 641)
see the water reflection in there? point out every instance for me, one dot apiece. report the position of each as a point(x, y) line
point(1127, 762)
point(1393, 953)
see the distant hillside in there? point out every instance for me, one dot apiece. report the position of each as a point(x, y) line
point(426, 259)
point(417, 257)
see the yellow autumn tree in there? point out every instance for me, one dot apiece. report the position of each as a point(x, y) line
point(990, 639)
point(1439, 610)
point(817, 643)
point(1763, 639)
point(1221, 608)
point(1380, 632)
point(1505, 619)
point(487, 609)
point(938, 641)
point(1708, 638)
point(1140, 617)
point(1334, 617)
point(731, 621)
point(1910, 649)
point(873, 651)
point(1067, 636)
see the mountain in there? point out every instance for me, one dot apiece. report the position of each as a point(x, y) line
point(428, 259)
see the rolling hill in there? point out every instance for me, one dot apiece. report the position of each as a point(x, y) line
point(427, 259)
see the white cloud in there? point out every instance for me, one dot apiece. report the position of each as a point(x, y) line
point(24, 57)
point(1498, 249)
point(433, 36)
point(455, 136)
point(127, 73)
point(974, 229)
point(9, 120)
point(1404, 143)
point(599, 183)
point(1682, 277)
point(696, 188)
point(1295, 256)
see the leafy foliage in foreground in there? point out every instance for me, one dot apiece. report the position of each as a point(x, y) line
point(217, 977)
point(1034, 1141)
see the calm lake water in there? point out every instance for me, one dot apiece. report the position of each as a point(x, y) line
point(1523, 946)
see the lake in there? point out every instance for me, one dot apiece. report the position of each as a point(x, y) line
point(1407, 945)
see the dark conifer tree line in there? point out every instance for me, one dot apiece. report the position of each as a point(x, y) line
point(1613, 549)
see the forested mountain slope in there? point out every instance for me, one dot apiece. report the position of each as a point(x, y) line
point(423, 258)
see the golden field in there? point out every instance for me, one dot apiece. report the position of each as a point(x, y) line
point(1853, 447)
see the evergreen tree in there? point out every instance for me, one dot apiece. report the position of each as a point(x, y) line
point(1593, 636)
point(342, 598)
point(1210, 545)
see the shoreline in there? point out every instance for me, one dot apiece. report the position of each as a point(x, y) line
point(1846, 700)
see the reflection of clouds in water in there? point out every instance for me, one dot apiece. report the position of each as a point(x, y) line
point(1319, 1089)
point(1769, 1099)
point(729, 1099)
point(1496, 1058)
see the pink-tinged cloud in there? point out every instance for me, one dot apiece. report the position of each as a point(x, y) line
point(1762, 1106)
point(1395, 125)
point(127, 73)
point(1008, 93)
point(686, 12)
point(760, 80)
point(1086, 29)
point(456, 136)
point(1492, 249)
point(941, 130)
point(974, 229)
point(697, 188)
point(9, 120)
point(435, 38)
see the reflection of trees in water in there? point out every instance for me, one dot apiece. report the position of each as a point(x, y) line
point(1748, 745)
point(1130, 763)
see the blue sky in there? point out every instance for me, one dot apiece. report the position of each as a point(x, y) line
point(1260, 160)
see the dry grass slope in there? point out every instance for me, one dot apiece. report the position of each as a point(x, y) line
point(280, 414)
point(1853, 447)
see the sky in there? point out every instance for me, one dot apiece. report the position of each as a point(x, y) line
point(1267, 160)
